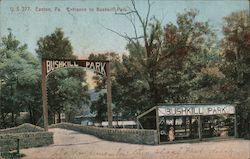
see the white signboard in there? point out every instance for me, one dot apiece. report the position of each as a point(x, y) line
point(186, 110)
point(98, 66)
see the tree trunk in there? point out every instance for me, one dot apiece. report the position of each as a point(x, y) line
point(69, 118)
point(3, 121)
point(12, 118)
point(31, 115)
point(54, 118)
point(15, 119)
point(59, 117)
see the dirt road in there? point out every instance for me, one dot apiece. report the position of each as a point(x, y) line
point(74, 145)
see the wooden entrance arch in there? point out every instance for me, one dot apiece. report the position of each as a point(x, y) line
point(51, 65)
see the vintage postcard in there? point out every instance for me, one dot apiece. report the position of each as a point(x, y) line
point(125, 79)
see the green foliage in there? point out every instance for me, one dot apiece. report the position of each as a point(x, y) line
point(20, 74)
point(55, 46)
point(181, 63)
point(171, 66)
point(236, 66)
point(186, 49)
point(66, 92)
point(236, 54)
point(99, 107)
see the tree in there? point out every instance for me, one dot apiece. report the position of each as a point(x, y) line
point(20, 74)
point(144, 49)
point(99, 106)
point(66, 92)
point(55, 46)
point(185, 52)
point(162, 67)
point(189, 55)
point(236, 66)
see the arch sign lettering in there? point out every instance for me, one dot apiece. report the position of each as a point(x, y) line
point(98, 66)
point(51, 65)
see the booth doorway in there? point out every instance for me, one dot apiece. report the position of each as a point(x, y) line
point(184, 127)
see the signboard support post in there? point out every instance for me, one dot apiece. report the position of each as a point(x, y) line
point(109, 98)
point(44, 96)
point(235, 126)
point(157, 124)
point(200, 127)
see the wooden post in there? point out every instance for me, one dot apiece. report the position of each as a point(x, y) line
point(137, 124)
point(44, 96)
point(18, 146)
point(185, 121)
point(109, 98)
point(174, 120)
point(190, 126)
point(200, 127)
point(235, 126)
point(157, 124)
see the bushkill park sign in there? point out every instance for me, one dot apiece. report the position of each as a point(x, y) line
point(97, 66)
point(192, 110)
point(51, 65)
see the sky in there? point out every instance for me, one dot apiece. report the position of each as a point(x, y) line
point(85, 22)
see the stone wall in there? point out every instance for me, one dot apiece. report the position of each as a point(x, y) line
point(29, 136)
point(148, 137)
point(26, 140)
point(22, 128)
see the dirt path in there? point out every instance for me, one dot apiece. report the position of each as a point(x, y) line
point(73, 145)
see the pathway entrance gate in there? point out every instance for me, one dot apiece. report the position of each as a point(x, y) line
point(51, 65)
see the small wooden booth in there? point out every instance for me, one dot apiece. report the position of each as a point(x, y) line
point(180, 122)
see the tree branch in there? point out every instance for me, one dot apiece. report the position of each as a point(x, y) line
point(125, 36)
point(137, 13)
point(149, 7)
point(131, 12)
point(144, 27)
point(132, 21)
